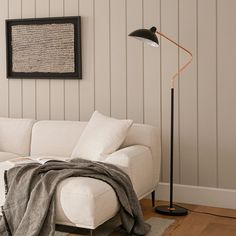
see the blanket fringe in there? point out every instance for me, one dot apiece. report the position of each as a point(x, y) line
point(3, 212)
point(6, 223)
point(5, 182)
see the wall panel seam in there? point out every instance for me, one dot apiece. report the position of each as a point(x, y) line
point(161, 72)
point(179, 102)
point(197, 91)
point(8, 84)
point(94, 77)
point(126, 67)
point(109, 5)
point(217, 121)
point(143, 84)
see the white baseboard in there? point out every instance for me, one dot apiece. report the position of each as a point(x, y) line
point(216, 197)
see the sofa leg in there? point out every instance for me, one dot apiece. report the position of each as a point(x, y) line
point(153, 198)
point(91, 232)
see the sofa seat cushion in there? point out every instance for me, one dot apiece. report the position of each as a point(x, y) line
point(80, 201)
point(85, 202)
point(4, 156)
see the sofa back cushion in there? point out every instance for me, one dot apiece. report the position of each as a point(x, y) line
point(59, 138)
point(55, 138)
point(102, 135)
point(15, 135)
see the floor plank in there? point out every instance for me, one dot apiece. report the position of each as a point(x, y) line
point(219, 230)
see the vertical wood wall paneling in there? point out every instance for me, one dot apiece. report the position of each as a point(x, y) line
point(28, 85)
point(207, 93)
point(15, 85)
point(102, 56)
point(127, 77)
point(152, 78)
point(118, 58)
point(86, 10)
point(71, 86)
point(3, 80)
point(188, 94)
point(42, 85)
point(169, 63)
point(226, 93)
point(134, 62)
point(57, 93)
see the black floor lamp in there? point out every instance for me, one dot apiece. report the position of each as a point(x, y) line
point(149, 36)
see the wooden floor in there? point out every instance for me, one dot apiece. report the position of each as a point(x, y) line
point(196, 223)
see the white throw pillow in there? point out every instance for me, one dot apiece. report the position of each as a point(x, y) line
point(102, 135)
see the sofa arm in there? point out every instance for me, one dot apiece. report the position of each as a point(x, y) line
point(137, 162)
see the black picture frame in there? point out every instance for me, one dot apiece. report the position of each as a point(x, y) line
point(77, 57)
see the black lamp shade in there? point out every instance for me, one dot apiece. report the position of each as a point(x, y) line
point(146, 35)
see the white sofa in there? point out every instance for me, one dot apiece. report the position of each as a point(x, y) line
point(82, 202)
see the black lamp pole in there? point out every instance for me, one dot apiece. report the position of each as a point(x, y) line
point(172, 147)
point(150, 36)
point(171, 209)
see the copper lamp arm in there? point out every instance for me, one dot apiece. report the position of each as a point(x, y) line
point(185, 65)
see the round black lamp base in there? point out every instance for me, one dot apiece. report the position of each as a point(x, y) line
point(174, 211)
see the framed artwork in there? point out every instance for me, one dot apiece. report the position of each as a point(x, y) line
point(44, 48)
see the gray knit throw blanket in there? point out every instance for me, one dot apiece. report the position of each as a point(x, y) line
point(29, 209)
